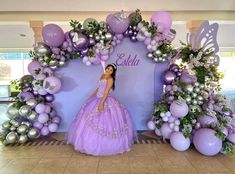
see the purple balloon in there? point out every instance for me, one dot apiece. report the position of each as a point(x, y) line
point(45, 131)
point(162, 17)
point(117, 22)
point(42, 91)
point(34, 65)
point(206, 142)
point(40, 108)
point(166, 131)
point(56, 119)
point(187, 78)
point(37, 125)
point(169, 77)
point(179, 109)
point(91, 42)
point(25, 96)
point(231, 137)
point(43, 118)
point(48, 109)
point(179, 142)
point(52, 113)
point(206, 120)
point(80, 41)
point(49, 97)
point(160, 27)
point(48, 71)
point(53, 127)
point(53, 35)
point(52, 84)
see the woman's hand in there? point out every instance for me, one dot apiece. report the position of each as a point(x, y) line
point(101, 107)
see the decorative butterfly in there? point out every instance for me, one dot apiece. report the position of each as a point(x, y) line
point(206, 37)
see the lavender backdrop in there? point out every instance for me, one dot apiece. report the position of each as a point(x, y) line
point(138, 84)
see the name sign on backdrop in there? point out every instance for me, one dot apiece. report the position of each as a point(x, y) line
point(138, 84)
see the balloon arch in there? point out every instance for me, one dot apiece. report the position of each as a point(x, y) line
point(190, 109)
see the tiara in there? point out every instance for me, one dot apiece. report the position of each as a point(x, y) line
point(115, 66)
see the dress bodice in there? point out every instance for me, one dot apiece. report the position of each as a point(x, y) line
point(102, 87)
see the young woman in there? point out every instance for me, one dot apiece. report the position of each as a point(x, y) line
point(103, 125)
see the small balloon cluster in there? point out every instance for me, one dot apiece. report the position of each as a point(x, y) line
point(31, 115)
point(191, 110)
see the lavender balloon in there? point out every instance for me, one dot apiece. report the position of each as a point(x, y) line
point(162, 17)
point(45, 131)
point(43, 118)
point(53, 35)
point(179, 142)
point(40, 108)
point(37, 125)
point(206, 142)
point(187, 78)
point(33, 66)
point(80, 41)
point(25, 96)
point(169, 77)
point(56, 119)
point(49, 97)
point(231, 137)
point(53, 127)
point(206, 120)
point(118, 23)
point(166, 131)
point(151, 125)
point(52, 84)
point(179, 109)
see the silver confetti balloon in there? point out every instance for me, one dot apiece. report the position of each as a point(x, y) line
point(24, 110)
point(54, 67)
point(33, 115)
point(194, 95)
point(189, 88)
point(108, 37)
point(200, 102)
point(31, 102)
point(188, 100)
point(23, 139)
point(27, 123)
point(201, 86)
point(12, 128)
point(150, 55)
point(200, 98)
point(44, 64)
point(196, 84)
point(12, 137)
point(61, 63)
point(22, 129)
point(15, 123)
point(41, 49)
point(6, 125)
point(197, 90)
point(12, 112)
point(33, 133)
point(194, 102)
point(158, 52)
point(53, 63)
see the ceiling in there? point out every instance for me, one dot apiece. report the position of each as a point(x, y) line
point(16, 34)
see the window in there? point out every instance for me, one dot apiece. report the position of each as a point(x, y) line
point(13, 66)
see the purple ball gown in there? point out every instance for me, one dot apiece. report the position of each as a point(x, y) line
point(102, 133)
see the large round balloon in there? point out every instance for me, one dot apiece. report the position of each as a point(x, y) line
point(179, 109)
point(162, 17)
point(179, 142)
point(88, 21)
point(79, 41)
point(52, 84)
point(33, 67)
point(206, 142)
point(117, 22)
point(53, 35)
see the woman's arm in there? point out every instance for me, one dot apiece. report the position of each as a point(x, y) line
point(106, 93)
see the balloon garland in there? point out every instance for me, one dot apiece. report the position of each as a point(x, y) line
point(191, 110)
point(32, 114)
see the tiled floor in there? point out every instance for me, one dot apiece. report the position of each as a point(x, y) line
point(157, 158)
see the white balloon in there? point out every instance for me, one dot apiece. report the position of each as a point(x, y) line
point(162, 114)
point(165, 119)
point(168, 114)
point(158, 132)
point(171, 125)
point(177, 122)
point(151, 125)
point(176, 128)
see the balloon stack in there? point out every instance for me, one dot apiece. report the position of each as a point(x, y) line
point(191, 110)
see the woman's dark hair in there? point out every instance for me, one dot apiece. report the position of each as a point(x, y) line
point(113, 75)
